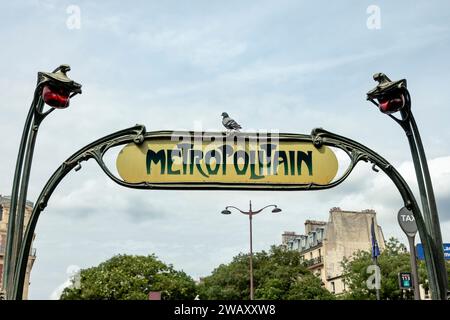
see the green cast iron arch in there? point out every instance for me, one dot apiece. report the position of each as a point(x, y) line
point(137, 134)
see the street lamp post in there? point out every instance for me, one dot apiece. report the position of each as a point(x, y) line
point(391, 97)
point(250, 214)
point(54, 89)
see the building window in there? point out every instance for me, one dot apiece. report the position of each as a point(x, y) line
point(310, 255)
point(333, 288)
point(1, 212)
point(320, 253)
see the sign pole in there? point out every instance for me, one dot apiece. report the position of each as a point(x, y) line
point(250, 213)
point(415, 275)
point(375, 260)
point(408, 224)
point(375, 254)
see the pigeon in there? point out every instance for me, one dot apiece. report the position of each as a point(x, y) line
point(229, 123)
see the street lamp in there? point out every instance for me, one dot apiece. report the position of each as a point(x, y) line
point(54, 89)
point(392, 97)
point(250, 214)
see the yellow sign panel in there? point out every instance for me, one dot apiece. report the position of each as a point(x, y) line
point(249, 162)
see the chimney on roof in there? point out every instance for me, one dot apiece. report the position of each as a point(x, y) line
point(312, 225)
point(288, 236)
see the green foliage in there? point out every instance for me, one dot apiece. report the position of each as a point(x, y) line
point(309, 287)
point(127, 277)
point(423, 276)
point(278, 275)
point(393, 259)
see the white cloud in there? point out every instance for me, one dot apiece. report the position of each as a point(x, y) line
point(380, 193)
point(72, 272)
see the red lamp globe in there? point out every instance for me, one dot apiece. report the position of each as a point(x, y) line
point(56, 97)
point(391, 104)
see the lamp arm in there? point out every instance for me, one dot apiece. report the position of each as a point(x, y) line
point(233, 207)
point(270, 205)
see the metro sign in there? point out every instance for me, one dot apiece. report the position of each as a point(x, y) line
point(214, 160)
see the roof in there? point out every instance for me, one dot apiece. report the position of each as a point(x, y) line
point(7, 200)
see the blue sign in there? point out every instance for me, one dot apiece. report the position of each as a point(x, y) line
point(421, 256)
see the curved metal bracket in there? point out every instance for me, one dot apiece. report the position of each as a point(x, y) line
point(94, 150)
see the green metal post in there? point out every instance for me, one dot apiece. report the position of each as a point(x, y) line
point(394, 92)
point(57, 78)
point(9, 252)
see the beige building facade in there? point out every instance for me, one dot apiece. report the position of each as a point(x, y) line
point(4, 219)
point(324, 245)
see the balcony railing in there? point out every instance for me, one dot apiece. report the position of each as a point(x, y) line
point(313, 261)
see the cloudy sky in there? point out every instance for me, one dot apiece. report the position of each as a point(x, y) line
point(282, 65)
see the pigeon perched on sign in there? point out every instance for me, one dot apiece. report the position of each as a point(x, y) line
point(229, 123)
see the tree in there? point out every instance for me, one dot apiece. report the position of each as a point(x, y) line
point(278, 275)
point(128, 277)
point(309, 287)
point(423, 275)
point(393, 259)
